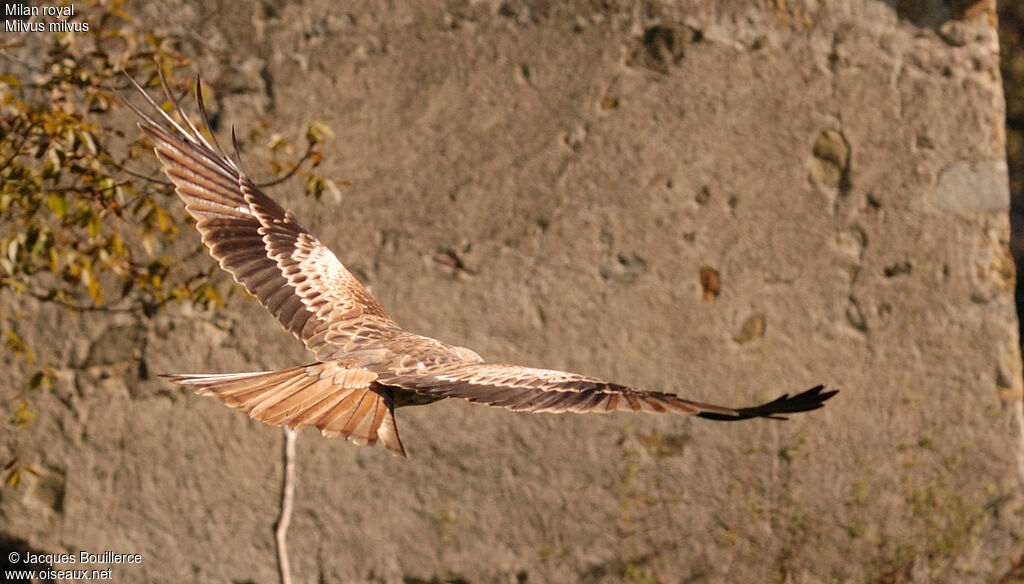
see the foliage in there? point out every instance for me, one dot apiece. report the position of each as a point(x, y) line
point(79, 226)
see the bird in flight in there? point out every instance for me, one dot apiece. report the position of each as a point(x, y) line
point(366, 364)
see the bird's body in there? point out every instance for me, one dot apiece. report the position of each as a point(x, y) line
point(367, 365)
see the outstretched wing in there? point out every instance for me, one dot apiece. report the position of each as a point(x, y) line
point(261, 244)
point(544, 390)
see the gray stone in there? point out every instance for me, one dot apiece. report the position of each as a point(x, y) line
point(980, 186)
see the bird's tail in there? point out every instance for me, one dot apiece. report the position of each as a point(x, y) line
point(338, 401)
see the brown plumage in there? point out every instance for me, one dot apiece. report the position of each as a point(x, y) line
point(367, 365)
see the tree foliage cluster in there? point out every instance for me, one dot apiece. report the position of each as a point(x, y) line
point(85, 223)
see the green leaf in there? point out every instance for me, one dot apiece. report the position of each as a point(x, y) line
point(58, 204)
point(44, 376)
point(314, 186)
point(94, 225)
point(36, 380)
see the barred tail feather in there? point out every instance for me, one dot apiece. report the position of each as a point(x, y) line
point(338, 401)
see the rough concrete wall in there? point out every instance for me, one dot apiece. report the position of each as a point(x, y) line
point(839, 167)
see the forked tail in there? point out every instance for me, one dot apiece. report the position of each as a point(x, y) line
point(338, 401)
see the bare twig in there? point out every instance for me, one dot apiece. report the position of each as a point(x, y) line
point(295, 168)
point(287, 495)
point(141, 176)
point(310, 151)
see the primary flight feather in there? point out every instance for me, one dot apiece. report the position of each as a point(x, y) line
point(366, 365)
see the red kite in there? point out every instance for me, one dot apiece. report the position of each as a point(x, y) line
point(367, 365)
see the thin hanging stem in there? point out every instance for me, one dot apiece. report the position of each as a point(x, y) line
point(287, 495)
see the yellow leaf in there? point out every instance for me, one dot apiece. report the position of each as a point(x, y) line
point(118, 244)
point(21, 417)
point(162, 220)
point(333, 190)
point(149, 242)
point(317, 132)
point(276, 142)
point(19, 347)
point(92, 284)
point(14, 478)
point(86, 138)
point(211, 295)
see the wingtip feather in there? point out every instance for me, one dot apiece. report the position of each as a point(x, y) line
point(777, 409)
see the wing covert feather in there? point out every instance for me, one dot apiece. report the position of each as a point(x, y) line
point(544, 390)
point(262, 245)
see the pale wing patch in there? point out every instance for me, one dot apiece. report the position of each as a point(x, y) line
point(339, 303)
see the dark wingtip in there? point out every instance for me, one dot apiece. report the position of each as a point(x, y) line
point(811, 399)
